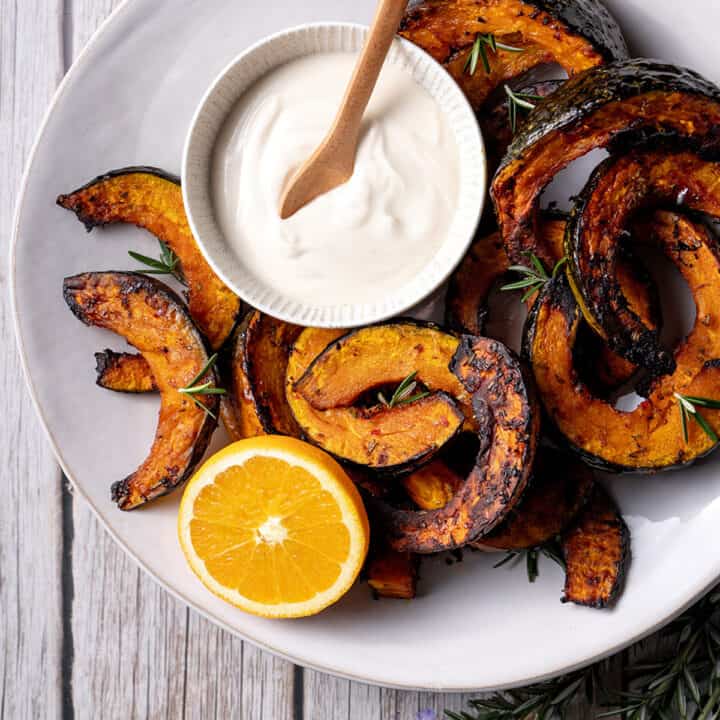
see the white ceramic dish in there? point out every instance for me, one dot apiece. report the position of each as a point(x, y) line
point(219, 101)
point(129, 100)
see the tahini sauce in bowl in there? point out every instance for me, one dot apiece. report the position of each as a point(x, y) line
point(369, 249)
point(364, 238)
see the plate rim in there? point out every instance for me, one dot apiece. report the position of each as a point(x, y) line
point(698, 590)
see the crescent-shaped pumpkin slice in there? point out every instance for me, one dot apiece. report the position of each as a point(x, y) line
point(486, 264)
point(508, 421)
point(397, 439)
point(650, 437)
point(576, 36)
point(153, 319)
point(619, 189)
point(614, 105)
point(152, 199)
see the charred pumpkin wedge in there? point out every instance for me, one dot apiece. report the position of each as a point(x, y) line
point(393, 574)
point(501, 117)
point(486, 263)
point(617, 191)
point(432, 486)
point(379, 356)
point(651, 437)
point(124, 372)
point(560, 487)
point(394, 439)
point(615, 105)
point(597, 553)
point(153, 319)
point(258, 361)
point(509, 423)
point(152, 199)
point(576, 35)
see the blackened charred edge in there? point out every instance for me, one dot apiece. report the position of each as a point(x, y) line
point(586, 18)
point(641, 348)
point(587, 92)
point(72, 201)
point(256, 325)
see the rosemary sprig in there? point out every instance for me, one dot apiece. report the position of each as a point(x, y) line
point(405, 393)
point(168, 264)
point(479, 52)
point(684, 684)
point(551, 550)
point(192, 390)
point(687, 406)
point(545, 701)
point(535, 276)
point(518, 101)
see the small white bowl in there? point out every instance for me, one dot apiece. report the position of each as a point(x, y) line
point(222, 97)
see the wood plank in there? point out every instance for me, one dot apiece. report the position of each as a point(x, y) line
point(139, 652)
point(31, 511)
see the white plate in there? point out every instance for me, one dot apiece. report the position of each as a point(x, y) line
point(129, 100)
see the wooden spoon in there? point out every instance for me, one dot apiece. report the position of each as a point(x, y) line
point(333, 162)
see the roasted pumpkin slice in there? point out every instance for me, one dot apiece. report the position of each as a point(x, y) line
point(651, 437)
point(124, 372)
point(432, 486)
point(509, 422)
point(393, 574)
point(619, 188)
point(153, 319)
point(597, 552)
point(389, 439)
point(560, 487)
point(576, 35)
point(259, 355)
point(152, 200)
point(616, 104)
point(379, 356)
point(502, 116)
point(486, 263)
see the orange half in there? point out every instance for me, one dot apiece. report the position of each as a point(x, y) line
point(274, 526)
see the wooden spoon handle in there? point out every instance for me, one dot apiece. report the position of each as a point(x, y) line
point(357, 96)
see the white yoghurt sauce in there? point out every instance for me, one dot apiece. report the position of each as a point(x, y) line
point(363, 239)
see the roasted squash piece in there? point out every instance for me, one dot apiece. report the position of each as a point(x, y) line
point(597, 552)
point(259, 354)
point(616, 104)
point(576, 35)
point(397, 439)
point(616, 192)
point(433, 486)
point(486, 263)
point(379, 356)
point(560, 487)
point(153, 319)
point(496, 121)
point(393, 574)
point(649, 438)
point(124, 372)
point(509, 421)
point(152, 199)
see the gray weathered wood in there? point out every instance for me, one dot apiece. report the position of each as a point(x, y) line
point(30, 514)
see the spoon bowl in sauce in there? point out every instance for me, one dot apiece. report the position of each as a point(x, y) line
point(372, 247)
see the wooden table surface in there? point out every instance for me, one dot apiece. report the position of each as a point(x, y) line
point(84, 633)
